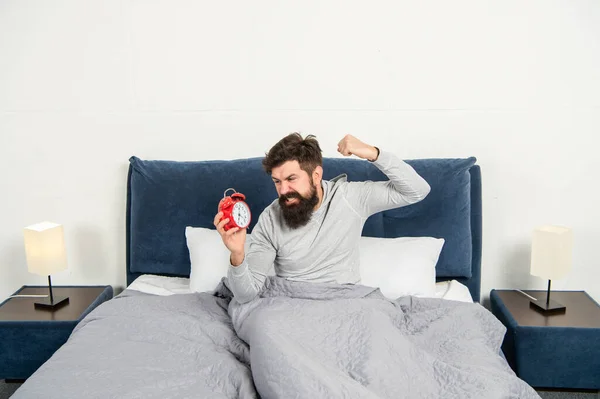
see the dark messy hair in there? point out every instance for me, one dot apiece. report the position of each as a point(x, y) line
point(294, 148)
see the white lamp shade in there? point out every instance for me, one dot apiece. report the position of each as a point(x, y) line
point(45, 248)
point(551, 252)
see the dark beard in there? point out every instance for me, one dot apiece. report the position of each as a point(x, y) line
point(298, 214)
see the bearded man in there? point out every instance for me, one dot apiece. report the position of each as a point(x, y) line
point(311, 231)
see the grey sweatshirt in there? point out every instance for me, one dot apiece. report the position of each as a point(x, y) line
point(326, 249)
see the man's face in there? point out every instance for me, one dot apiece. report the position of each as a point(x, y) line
point(297, 193)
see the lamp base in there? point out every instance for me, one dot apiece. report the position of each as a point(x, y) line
point(547, 308)
point(47, 304)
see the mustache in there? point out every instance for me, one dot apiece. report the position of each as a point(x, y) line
point(291, 195)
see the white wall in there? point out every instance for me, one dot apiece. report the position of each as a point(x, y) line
point(85, 85)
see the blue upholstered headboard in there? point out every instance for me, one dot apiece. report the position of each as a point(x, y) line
point(163, 197)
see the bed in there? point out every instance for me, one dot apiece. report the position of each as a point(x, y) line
point(161, 339)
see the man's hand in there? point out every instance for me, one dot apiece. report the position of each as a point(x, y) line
point(350, 145)
point(234, 239)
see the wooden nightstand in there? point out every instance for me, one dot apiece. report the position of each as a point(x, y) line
point(30, 336)
point(551, 351)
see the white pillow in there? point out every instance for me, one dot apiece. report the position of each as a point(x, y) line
point(400, 266)
point(209, 258)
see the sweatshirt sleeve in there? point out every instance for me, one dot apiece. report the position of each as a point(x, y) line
point(247, 279)
point(404, 187)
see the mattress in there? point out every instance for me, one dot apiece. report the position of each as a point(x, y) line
point(165, 286)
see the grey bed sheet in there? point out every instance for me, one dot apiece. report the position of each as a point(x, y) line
point(145, 346)
point(307, 341)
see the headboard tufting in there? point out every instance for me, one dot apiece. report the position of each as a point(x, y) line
point(163, 197)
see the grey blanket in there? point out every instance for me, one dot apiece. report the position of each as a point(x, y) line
point(344, 341)
point(306, 341)
point(145, 346)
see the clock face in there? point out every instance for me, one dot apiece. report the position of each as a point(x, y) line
point(241, 214)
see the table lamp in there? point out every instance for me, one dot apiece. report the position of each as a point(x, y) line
point(46, 254)
point(551, 258)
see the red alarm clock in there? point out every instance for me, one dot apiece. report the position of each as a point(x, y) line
point(235, 209)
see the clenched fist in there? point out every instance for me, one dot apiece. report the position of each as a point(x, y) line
point(350, 145)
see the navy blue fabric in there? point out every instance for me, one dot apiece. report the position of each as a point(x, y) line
point(550, 357)
point(502, 313)
point(473, 282)
point(445, 212)
point(166, 196)
point(27, 344)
